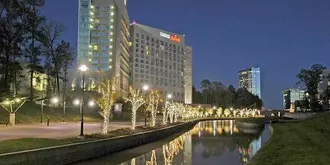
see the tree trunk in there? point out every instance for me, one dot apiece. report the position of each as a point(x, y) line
point(106, 121)
point(12, 117)
point(31, 84)
point(58, 83)
point(133, 117)
point(164, 116)
point(64, 94)
point(153, 117)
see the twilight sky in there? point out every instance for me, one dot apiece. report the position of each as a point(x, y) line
point(279, 36)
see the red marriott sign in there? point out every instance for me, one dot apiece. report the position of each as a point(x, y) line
point(173, 37)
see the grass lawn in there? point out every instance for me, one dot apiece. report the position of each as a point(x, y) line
point(300, 143)
point(30, 113)
point(35, 143)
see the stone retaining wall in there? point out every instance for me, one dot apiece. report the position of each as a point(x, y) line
point(72, 153)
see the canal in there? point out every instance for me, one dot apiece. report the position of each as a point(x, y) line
point(210, 142)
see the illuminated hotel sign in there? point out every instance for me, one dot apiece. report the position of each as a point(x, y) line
point(174, 37)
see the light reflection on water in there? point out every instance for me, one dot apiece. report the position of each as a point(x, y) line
point(209, 142)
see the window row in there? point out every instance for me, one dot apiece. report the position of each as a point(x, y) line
point(160, 83)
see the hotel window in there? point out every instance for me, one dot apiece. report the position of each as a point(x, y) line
point(137, 35)
point(147, 38)
point(142, 36)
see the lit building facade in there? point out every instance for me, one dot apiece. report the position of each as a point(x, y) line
point(290, 96)
point(104, 41)
point(250, 79)
point(162, 60)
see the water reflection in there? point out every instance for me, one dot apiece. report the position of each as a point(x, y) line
point(209, 142)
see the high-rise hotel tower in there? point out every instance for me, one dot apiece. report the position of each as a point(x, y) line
point(162, 60)
point(250, 79)
point(103, 41)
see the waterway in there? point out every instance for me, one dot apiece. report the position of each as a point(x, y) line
point(209, 142)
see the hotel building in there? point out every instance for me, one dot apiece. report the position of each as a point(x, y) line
point(103, 41)
point(162, 60)
point(250, 79)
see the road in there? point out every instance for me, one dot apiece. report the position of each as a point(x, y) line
point(56, 130)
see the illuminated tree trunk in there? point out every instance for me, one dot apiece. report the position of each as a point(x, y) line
point(164, 115)
point(133, 161)
point(106, 121)
point(176, 117)
point(171, 117)
point(134, 109)
point(153, 117)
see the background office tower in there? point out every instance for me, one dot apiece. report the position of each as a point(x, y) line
point(162, 60)
point(290, 96)
point(103, 41)
point(250, 79)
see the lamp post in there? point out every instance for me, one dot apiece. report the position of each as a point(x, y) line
point(168, 97)
point(145, 89)
point(83, 69)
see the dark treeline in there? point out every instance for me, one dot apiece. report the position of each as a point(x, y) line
point(29, 41)
point(217, 94)
point(316, 82)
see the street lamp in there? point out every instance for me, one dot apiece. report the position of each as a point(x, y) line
point(145, 88)
point(169, 96)
point(83, 69)
point(91, 103)
point(214, 107)
point(76, 102)
point(54, 100)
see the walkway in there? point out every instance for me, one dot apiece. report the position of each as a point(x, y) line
point(55, 130)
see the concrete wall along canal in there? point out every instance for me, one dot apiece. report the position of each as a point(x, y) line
point(68, 154)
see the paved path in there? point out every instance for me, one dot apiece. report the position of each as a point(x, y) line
point(55, 130)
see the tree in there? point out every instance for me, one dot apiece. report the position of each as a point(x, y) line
point(153, 101)
point(311, 79)
point(206, 90)
point(196, 96)
point(231, 91)
point(13, 28)
point(51, 33)
point(106, 100)
point(137, 100)
point(33, 37)
point(65, 57)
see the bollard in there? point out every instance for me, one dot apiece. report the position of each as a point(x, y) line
point(47, 122)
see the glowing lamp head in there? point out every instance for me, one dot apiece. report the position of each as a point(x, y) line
point(54, 100)
point(91, 103)
point(145, 87)
point(83, 68)
point(214, 107)
point(76, 102)
point(17, 100)
point(169, 96)
point(7, 102)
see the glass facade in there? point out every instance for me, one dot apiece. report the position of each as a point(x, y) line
point(256, 86)
point(103, 40)
point(290, 96)
point(83, 31)
point(251, 80)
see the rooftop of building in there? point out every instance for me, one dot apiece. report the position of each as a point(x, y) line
point(248, 69)
point(155, 29)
